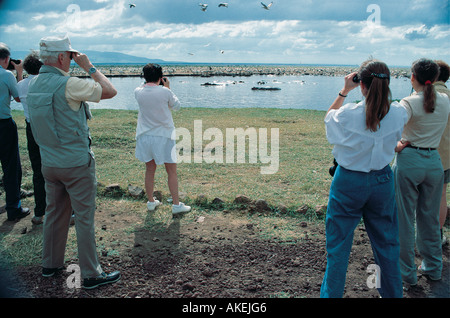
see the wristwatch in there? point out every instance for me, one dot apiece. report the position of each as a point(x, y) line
point(92, 70)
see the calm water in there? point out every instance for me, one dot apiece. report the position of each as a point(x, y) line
point(297, 92)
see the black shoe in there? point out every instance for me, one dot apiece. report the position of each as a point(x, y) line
point(49, 272)
point(20, 214)
point(90, 283)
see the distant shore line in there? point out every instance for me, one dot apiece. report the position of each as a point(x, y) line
point(233, 71)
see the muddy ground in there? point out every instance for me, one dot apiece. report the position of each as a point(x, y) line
point(218, 255)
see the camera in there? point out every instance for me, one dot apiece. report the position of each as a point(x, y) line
point(11, 66)
point(163, 80)
point(332, 169)
point(356, 79)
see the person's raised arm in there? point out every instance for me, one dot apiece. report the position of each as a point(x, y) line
point(108, 90)
point(348, 86)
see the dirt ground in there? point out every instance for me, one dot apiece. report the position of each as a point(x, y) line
point(215, 256)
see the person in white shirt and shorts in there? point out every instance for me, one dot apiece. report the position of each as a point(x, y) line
point(155, 134)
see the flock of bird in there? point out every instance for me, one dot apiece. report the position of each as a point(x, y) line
point(204, 6)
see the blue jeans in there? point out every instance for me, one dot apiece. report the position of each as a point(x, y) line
point(371, 196)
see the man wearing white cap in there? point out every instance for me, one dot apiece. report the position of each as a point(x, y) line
point(58, 116)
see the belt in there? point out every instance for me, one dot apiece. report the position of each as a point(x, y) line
point(420, 148)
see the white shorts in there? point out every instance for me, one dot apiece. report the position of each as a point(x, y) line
point(161, 149)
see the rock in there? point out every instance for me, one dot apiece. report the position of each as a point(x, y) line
point(261, 205)
point(302, 210)
point(321, 209)
point(158, 195)
point(188, 286)
point(282, 208)
point(242, 199)
point(135, 192)
point(114, 186)
point(218, 202)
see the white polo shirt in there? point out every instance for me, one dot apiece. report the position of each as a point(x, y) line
point(155, 105)
point(356, 147)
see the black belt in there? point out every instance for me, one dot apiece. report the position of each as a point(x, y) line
point(420, 148)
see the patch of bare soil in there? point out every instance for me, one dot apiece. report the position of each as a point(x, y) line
point(219, 256)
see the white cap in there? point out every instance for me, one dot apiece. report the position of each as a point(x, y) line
point(56, 44)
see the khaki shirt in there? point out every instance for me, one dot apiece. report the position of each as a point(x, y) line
point(425, 129)
point(81, 90)
point(445, 140)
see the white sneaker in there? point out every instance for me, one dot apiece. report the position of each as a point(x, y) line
point(180, 208)
point(151, 206)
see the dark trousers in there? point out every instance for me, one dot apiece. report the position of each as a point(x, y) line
point(38, 179)
point(12, 169)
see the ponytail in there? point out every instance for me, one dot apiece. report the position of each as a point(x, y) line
point(426, 72)
point(429, 97)
point(376, 77)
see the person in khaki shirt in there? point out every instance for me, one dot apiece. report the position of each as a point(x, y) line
point(58, 117)
point(419, 175)
point(444, 146)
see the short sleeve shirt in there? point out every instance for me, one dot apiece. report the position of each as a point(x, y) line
point(8, 89)
point(81, 90)
point(356, 147)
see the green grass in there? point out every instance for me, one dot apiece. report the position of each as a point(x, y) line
point(304, 155)
point(301, 180)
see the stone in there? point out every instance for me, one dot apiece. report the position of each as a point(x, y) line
point(135, 191)
point(242, 199)
point(261, 205)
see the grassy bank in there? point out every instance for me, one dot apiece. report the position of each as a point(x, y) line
point(304, 155)
point(302, 179)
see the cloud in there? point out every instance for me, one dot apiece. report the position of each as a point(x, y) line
point(291, 32)
point(415, 34)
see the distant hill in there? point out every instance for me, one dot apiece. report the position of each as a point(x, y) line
point(103, 57)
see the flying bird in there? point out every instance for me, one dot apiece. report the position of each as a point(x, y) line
point(132, 5)
point(203, 6)
point(267, 7)
point(223, 4)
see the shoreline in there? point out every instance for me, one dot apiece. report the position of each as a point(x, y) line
point(232, 71)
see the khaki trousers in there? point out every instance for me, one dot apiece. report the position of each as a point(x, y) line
point(419, 178)
point(70, 189)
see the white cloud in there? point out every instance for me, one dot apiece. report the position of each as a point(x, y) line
point(266, 36)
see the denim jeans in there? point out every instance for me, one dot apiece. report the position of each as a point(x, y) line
point(355, 195)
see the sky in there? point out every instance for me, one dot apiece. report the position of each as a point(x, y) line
point(290, 32)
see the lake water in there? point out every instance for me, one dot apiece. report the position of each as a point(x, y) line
point(296, 92)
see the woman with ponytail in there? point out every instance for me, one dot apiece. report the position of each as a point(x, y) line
point(419, 174)
point(364, 136)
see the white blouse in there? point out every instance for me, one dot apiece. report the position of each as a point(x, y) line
point(155, 105)
point(358, 148)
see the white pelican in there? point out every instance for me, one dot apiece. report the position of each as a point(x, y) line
point(267, 7)
point(203, 6)
point(223, 4)
point(132, 5)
